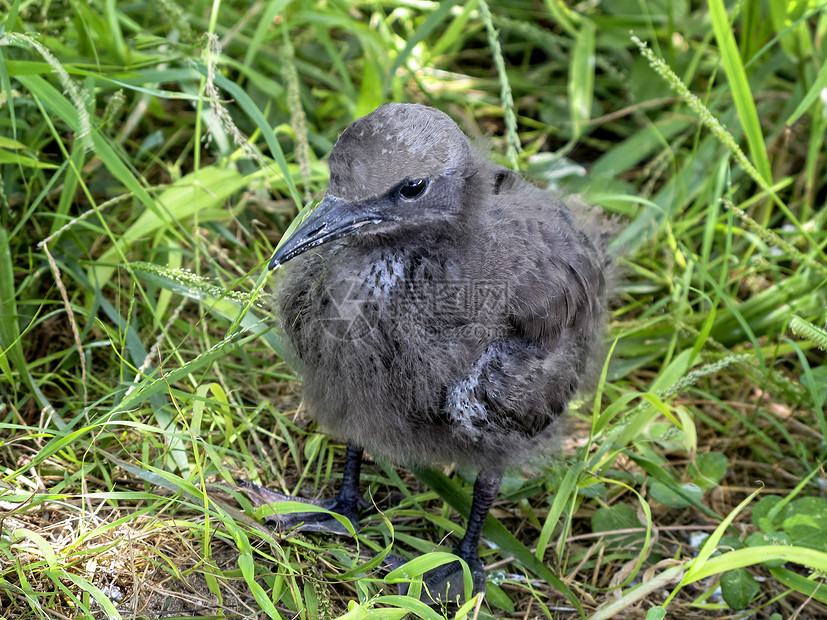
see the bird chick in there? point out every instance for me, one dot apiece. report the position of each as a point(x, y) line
point(443, 309)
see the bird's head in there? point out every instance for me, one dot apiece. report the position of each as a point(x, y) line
point(400, 167)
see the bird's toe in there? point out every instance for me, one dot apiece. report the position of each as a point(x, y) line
point(304, 521)
point(445, 584)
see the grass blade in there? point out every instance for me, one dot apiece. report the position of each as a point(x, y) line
point(741, 93)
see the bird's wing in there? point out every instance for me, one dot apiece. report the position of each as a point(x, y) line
point(554, 307)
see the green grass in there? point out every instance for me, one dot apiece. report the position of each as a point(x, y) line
point(153, 154)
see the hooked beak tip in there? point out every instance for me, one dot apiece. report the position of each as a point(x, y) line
point(333, 219)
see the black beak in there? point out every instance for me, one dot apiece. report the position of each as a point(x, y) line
point(333, 219)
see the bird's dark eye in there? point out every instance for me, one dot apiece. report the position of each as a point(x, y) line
point(413, 188)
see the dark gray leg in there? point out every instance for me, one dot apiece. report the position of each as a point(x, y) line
point(349, 499)
point(486, 488)
point(445, 584)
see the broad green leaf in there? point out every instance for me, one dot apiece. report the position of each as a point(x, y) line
point(738, 588)
point(763, 512)
point(613, 520)
point(709, 469)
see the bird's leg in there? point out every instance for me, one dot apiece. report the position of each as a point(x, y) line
point(347, 502)
point(445, 584)
point(486, 487)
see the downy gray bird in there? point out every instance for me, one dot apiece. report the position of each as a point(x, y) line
point(443, 309)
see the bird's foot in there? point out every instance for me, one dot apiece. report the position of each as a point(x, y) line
point(309, 521)
point(445, 584)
